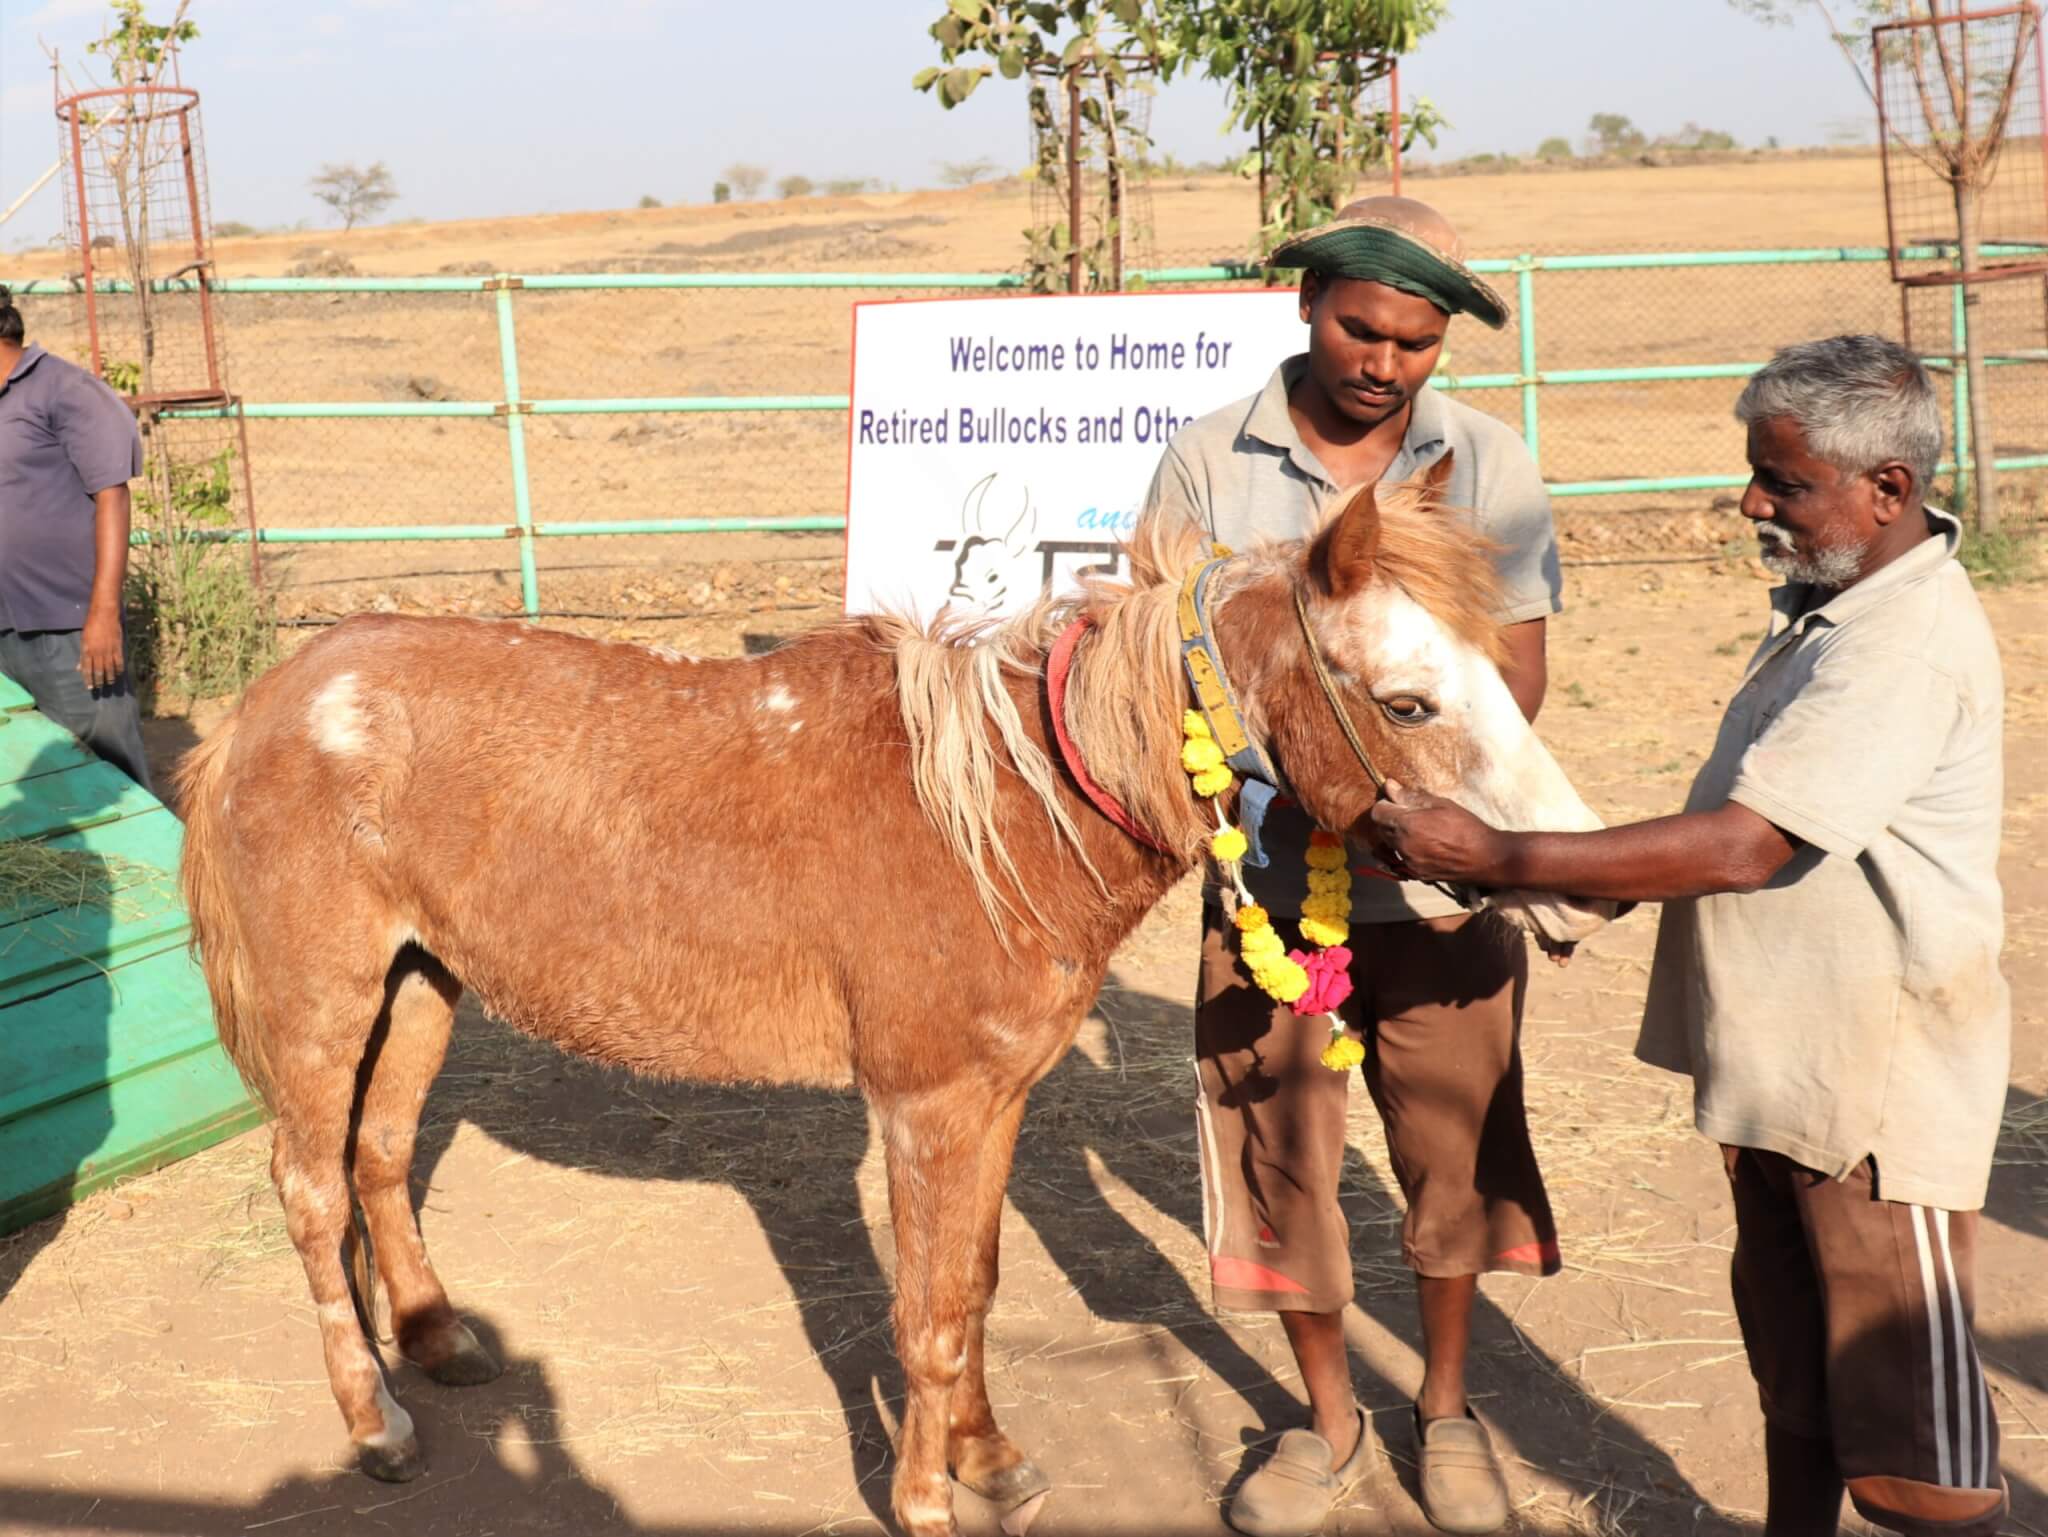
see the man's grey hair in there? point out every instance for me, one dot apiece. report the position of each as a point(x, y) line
point(1861, 401)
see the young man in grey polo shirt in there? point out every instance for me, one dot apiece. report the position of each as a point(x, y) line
point(1827, 965)
point(68, 448)
point(1438, 994)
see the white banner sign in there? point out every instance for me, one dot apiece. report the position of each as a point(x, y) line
point(999, 445)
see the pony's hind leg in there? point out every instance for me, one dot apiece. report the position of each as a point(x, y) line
point(312, 1097)
point(982, 1457)
point(404, 1056)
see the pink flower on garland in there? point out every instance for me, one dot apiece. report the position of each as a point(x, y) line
point(1329, 979)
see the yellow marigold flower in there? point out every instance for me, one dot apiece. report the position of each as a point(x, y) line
point(1198, 753)
point(1329, 882)
point(1252, 916)
point(1229, 844)
point(1343, 1053)
point(1325, 931)
point(1261, 944)
point(1194, 723)
point(1212, 781)
point(1326, 902)
point(1323, 857)
point(1283, 979)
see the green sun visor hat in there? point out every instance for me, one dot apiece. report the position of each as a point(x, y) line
point(1380, 252)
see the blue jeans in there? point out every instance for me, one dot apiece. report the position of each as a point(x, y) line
point(108, 720)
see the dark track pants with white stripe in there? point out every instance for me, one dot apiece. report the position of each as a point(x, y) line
point(1856, 1313)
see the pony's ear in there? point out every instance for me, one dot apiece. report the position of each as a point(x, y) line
point(1345, 553)
point(1436, 479)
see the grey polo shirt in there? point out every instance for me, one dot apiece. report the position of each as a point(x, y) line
point(1243, 475)
point(64, 437)
point(1854, 1007)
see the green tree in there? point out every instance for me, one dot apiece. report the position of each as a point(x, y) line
point(1692, 136)
point(134, 145)
point(795, 186)
point(965, 173)
point(1614, 134)
point(745, 180)
point(353, 192)
point(1964, 81)
point(1296, 72)
point(1086, 50)
point(1556, 147)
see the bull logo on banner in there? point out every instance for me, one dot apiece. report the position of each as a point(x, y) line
point(995, 555)
point(996, 558)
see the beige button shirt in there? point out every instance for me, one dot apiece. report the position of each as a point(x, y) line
point(1243, 475)
point(1854, 1007)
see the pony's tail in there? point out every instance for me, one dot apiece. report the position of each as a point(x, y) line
point(209, 903)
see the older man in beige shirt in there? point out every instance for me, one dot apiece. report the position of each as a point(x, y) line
point(1827, 964)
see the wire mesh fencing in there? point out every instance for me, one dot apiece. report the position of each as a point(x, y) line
point(470, 424)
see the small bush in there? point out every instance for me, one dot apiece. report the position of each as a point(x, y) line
point(721, 192)
point(965, 173)
point(746, 180)
point(199, 626)
point(796, 186)
point(1556, 147)
point(233, 229)
point(1996, 560)
point(649, 200)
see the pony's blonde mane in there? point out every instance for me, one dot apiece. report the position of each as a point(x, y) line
point(1126, 693)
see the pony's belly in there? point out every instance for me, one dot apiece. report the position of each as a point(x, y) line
point(701, 1023)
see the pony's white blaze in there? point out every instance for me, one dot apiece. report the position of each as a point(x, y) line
point(1503, 772)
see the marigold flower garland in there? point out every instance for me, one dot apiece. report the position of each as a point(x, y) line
point(1309, 982)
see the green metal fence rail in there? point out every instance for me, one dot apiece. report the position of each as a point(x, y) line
point(1530, 379)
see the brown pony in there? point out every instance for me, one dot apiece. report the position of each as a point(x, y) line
point(856, 860)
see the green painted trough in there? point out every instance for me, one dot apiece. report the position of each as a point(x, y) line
point(109, 1066)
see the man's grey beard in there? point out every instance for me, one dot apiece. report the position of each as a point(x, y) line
point(1833, 569)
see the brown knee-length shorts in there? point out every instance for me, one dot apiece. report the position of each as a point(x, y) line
point(1856, 1313)
point(1439, 1004)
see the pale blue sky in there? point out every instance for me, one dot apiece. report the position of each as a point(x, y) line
point(489, 107)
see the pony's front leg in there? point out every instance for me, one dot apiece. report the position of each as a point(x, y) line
point(982, 1457)
point(934, 1149)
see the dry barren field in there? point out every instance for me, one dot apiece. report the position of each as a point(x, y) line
point(413, 348)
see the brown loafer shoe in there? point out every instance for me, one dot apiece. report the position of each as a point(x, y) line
point(1463, 1488)
point(1292, 1494)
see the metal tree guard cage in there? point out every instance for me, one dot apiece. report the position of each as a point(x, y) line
point(135, 214)
point(1094, 177)
point(135, 170)
point(1959, 101)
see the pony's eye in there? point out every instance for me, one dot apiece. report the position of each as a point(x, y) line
point(1407, 710)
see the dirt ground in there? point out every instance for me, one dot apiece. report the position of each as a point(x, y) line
point(689, 1286)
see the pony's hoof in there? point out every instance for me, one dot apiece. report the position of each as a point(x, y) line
point(467, 1365)
point(446, 1351)
point(396, 1464)
point(1010, 1487)
point(1017, 1522)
